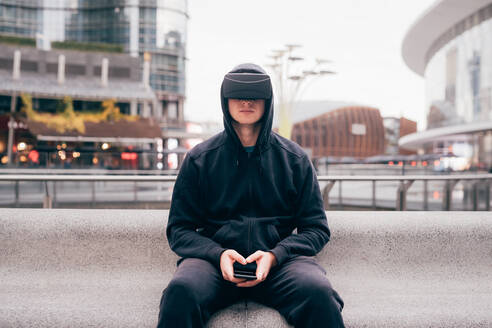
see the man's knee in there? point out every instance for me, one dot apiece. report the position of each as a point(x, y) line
point(318, 293)
point(179, 295)
point(179, 306)
point(317, 305)
point(327, 298)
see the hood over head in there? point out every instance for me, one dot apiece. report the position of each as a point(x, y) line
point(248, 81)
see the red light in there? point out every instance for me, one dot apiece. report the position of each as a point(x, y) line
point(400, 163)
point(414, 163)
point(424, 163)
point(129, 156)
point(391, 163)
point(33, 156)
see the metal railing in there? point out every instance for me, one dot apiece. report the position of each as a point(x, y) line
point(405, 182)
point(91, 171)
point(49, 198)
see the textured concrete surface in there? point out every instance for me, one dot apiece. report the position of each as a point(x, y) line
point(107, 268)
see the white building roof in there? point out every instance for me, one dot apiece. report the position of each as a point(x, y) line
point(418, 139)
point(78, 88)
point(433, 23)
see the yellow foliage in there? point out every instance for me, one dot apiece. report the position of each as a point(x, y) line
point(69, 119)
point(110, 113)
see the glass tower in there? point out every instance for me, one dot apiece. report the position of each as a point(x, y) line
point(156, 27)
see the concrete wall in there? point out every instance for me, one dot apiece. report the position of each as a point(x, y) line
point(107, 268)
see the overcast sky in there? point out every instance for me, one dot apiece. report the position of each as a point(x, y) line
point(363, 38)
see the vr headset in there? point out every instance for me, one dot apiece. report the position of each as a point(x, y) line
point(247, 86)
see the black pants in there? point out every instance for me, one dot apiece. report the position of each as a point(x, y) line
point(298, 289)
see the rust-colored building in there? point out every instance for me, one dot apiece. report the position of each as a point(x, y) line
point(339, 129)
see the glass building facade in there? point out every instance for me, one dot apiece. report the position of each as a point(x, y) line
point(157, 27)
point(459, 73)
point(450, 45)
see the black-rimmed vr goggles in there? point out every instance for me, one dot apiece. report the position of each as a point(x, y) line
point(247, 86)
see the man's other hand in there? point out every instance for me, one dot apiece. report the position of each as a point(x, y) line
point(227, 259)
point(264, 261)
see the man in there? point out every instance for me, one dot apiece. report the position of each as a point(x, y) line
point(236, 202)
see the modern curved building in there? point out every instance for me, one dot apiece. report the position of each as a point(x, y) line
point(450, 45)
point(156, 27)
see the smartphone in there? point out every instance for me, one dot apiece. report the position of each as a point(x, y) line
point(247, 271)
point(244, 275)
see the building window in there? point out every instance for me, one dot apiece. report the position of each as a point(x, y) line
point(5, 104)
point(6, 63)
point(29, 66)
point(299, 139)
point(72, 69)
point(308, 139)
point(172, 110)
point(324, 135)
point(51, 68)
point(124, 107)
point(119, 72)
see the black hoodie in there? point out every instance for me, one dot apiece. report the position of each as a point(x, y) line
point(225, 198)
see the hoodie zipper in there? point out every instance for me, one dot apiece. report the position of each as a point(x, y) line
point(249, 238)
point(250, 201)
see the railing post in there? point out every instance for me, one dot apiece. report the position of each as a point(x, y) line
point(47, 202)
point(373, 194)
point(475, 196)
point(401, 196)
point(54, 194)
point(340, 194)
point(426, 194)
point(326, 194)
point(16, 188)
point(448, 194)
point(466, 196)
point(93, 193)
point(487, 195)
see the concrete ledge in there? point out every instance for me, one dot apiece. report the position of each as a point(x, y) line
point(107, 268)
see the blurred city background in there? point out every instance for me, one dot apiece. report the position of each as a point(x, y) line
point(101, 100)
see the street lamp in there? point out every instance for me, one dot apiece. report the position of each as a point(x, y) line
point(290, 82)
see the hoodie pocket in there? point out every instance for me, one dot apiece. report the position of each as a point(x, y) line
point(247, 235)
point(232, 235)
point(264, 236)
point(273, 233)
point(222, 234)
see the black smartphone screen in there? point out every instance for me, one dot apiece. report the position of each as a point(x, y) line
point(247, 271)
point(245, 275)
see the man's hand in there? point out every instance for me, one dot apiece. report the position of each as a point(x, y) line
point(264, 261)
point(227, 259)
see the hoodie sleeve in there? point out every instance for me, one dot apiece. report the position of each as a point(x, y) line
point(186, 215)
point(310, 218)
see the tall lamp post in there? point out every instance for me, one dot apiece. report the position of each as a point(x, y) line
point(291, 81)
